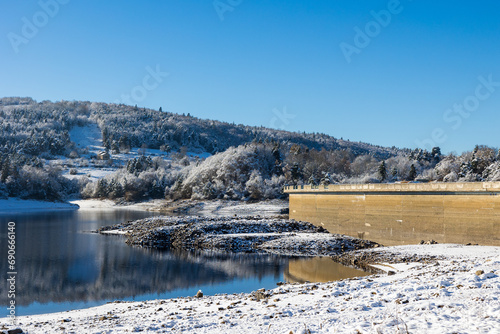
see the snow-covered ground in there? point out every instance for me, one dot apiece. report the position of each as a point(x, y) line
point(16, 205)
point(89, 137)
point(459, 293)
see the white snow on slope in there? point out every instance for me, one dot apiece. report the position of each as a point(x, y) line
point(89, 136)
point(458, 295)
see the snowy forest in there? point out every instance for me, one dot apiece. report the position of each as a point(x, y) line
point(201, 159)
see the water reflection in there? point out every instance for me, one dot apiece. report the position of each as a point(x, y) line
point(58, 262)
point(62, 266)
point(319, 269)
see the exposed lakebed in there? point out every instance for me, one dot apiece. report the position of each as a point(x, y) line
point(251, 234)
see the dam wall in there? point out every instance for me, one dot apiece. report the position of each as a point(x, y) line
point(406, 213)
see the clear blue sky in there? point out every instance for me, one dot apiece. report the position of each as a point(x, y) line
point(271, 63)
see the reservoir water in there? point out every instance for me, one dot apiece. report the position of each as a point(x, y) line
point(61, 266)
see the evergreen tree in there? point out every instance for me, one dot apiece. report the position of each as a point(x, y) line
point(394, 172)
point(5, 170)
point(115, 148)
point(413, 173)
point(312, 180)
point(295, 173)
point(278, 160)
point(325, 180)
point(436, 154)
point(382, 172)
point(106, 138)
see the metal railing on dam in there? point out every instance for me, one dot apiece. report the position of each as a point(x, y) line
point(403, 213)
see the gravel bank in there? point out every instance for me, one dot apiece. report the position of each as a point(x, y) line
point(236, 234)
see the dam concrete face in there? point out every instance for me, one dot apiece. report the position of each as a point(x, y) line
point(398, 214)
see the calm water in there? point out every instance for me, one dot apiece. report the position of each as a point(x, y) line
point(61, 266)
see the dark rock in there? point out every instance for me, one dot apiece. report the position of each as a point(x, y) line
point(260, 294)
point(15, 331)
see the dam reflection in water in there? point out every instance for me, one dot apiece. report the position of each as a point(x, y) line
point(319, 269)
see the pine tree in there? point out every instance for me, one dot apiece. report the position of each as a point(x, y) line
point(413, 173)
point(382, 171)
point(325, 180)
point(5, 170)
point(436, 154)
point(394, 172)
point(295, 173)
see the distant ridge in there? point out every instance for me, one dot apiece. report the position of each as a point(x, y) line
point(131, 126)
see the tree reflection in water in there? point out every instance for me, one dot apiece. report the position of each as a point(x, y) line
point(58, 262)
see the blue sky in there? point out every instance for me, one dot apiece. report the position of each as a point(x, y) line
point(422, 73)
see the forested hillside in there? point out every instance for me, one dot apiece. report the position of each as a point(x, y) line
point(246, 162)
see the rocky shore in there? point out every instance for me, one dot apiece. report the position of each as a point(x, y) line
point(459, 293)
point(252, 234)
point(368, 260)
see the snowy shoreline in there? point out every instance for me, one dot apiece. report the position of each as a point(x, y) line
point(458, 291)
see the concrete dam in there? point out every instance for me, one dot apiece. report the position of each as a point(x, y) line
point(403, 213)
